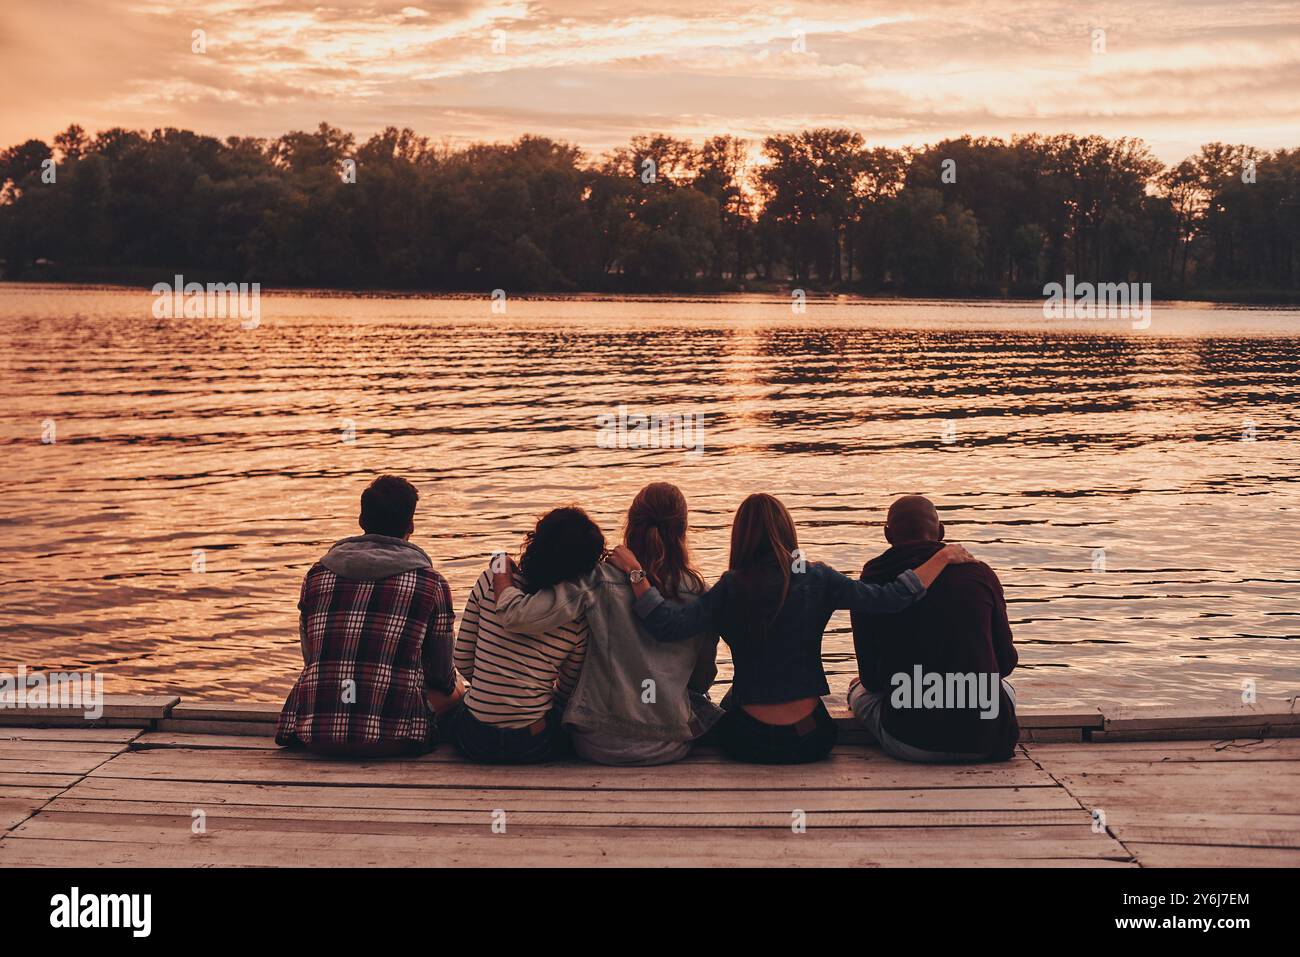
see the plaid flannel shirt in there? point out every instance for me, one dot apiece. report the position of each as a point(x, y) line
point(370, 650)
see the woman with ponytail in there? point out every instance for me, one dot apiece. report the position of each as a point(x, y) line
point(771, 607)
point(638, 701)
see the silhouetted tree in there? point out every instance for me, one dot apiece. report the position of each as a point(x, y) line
point(963, 216)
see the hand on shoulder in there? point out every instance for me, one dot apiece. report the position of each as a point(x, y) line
point(501, 571)
point(621, 557)
point(955, 554)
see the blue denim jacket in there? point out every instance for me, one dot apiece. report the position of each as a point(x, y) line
point(778, 659)
point(631, 685)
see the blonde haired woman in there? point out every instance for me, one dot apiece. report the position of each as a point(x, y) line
point(638, 701)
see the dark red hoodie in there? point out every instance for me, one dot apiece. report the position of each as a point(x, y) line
point(959, 627)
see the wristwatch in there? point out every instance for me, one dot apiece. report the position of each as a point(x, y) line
point(636, 576)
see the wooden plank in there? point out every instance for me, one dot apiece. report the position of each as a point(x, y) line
point(1050, 735)
point(190, 726)
point(13, 749)
point(1186, 855)
point(1190, 716)
point(1028, 841)
point(183, 739)
point(32, 721)
point(1034, 717)
point(1184, 772)
point(114, 706)
point(443, 754)
point(1177, 777)
point(50, 762)
point(256, 711)
point(1145, 769)
point(650, 845)
point(1187, 794)
point(1143, 824)
point(1260, 793)
point(8, 779)
point(1190, 820)
point(865, 772)
point(1236, 749)
point(207, 794)
point(584, 814)
point(13, 811)
point(28, 792)
point(70, 734)
point(1234, 836)
point(1199, 733)
point(1116, 802)
point(1200, 803)
point(497, 851)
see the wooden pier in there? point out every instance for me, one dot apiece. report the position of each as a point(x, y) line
point(157, 782)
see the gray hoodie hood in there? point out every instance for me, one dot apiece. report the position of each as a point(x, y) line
point(372, 557)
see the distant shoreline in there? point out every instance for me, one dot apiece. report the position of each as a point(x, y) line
point(136, 279)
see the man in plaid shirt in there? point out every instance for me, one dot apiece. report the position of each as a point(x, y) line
point(376, 628)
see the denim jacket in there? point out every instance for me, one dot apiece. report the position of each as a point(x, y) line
point(631, 685)
point(780, 658)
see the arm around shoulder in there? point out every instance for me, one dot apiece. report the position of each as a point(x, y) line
point(669, 624)
point(872, 599)
point(544, 610)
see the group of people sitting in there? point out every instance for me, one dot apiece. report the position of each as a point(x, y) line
point(610, 654)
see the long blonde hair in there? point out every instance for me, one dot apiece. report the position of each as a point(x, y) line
point(655, 532)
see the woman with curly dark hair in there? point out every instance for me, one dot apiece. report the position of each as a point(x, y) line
point(519, 683)
point(639, 701)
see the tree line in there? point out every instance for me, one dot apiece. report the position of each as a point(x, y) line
point(820, 210)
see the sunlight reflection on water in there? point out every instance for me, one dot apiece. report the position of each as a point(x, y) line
point(1063, 439)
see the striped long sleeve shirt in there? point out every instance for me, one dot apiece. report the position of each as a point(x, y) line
point(514, 678)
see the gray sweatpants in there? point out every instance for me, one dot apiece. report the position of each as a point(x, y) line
point(870, 709)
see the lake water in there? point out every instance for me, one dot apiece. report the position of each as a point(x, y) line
point(1172, 448)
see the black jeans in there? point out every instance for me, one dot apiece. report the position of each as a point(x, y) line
point(493, 745)
point(745, 738)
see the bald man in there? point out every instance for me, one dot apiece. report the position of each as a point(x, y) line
point(930, 683)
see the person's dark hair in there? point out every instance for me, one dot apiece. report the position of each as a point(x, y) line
point(388, 506)
point(763, 543)
point(565, 545)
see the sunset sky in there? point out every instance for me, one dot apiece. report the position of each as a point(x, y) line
point(1175, 72)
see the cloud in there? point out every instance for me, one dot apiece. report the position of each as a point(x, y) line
point(1175, 72)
